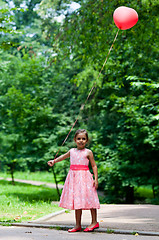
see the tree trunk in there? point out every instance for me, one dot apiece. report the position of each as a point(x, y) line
point(12, 165)
point(129, 195)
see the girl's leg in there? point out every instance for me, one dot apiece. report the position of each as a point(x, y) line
point(78, 215)
point(94, 217)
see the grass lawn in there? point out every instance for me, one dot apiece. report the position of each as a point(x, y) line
point(36, 176)
point(24, 202)
point(145, 194)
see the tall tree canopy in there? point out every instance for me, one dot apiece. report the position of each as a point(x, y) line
point(59, 49)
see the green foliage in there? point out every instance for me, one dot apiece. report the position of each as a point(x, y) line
point(29, 112)
point(8, 30)
point(124, 109)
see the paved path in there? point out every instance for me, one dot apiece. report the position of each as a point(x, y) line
point(22, 233)
point(36, 183)
point(125, 217)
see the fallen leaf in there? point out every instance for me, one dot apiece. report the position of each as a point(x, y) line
point(17, 218)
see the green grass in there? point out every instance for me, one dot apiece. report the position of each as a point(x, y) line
point(24, 202)
point(144, 192)
point(36, 176)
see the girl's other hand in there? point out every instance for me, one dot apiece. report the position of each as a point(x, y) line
point(95, 184)
point(51, 163)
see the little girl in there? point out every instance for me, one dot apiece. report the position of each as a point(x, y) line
point(79, 190)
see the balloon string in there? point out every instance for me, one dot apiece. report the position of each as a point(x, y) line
point(101, 68)
point(83, 105)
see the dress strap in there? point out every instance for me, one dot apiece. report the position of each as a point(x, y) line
point(79, 167)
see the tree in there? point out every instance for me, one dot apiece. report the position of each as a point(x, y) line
point(118, 110)
point(51, 70)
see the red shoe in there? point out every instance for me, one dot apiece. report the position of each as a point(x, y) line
point(91, 229)
point(75, 229)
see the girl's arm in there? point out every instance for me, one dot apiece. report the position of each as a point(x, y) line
point(94, 167)
point(60, 158)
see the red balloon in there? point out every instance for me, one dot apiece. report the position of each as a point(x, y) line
point(125, 17)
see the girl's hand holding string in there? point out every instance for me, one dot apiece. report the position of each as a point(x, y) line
point(51, 163)
point(60, 158)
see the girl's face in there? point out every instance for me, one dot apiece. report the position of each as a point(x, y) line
point(81, 140)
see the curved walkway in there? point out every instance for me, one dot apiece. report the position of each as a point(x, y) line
point(36, 183)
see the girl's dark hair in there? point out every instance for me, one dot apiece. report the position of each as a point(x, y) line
point(81, 131)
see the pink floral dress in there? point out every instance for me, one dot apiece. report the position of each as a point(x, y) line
point(78, 191)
